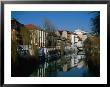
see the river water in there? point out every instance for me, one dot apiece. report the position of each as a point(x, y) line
point(71, 65)
point(72, 70)
point(78, 71)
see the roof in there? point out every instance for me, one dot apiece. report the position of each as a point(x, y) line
point(79, 30)
point(69, 32)
point(30, 26)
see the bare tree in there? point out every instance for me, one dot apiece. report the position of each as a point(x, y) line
point(30, 38)
point(13, 51)
point(95, 23)
point(51, 36)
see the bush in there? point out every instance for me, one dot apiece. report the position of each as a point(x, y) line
point(92, 50)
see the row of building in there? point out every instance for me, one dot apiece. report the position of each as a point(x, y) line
point(38, 36)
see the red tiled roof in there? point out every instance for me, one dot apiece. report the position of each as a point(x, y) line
point(30, 26)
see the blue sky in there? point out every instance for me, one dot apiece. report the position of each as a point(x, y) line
point(63, 20)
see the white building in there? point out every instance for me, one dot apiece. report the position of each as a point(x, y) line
point(64, 34)
point(78, 37)
point(41, 38)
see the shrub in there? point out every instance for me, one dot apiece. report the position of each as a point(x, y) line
point(92, 50)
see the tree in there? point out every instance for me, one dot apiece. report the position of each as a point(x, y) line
point(92, 51)
point(51, 38)
point(25, 36)
point(30, 38)
point(13, 51)
point(92, 46)
point(95, 23)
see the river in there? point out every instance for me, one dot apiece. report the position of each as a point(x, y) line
point(72, 65)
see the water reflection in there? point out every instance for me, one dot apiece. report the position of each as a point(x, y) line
point(71, 64)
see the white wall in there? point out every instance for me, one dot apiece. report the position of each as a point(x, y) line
point(64, 34)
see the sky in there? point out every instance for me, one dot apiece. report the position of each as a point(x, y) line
point(62, 20)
